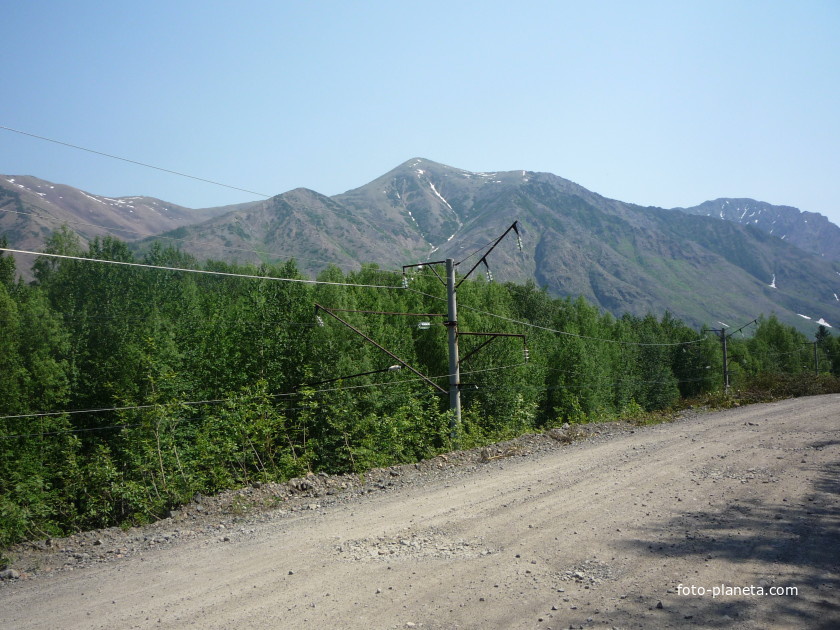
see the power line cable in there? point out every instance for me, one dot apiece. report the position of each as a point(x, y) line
point(577, 374)
point(320, 391)
point(607, 380)
point(171, 238)
point(585, 386)
point(200, 271)
point(185, 240)
point(116, 157)
point(69, 431)
point(158, 168)
point(104, 409)
point(224, 400)
point(94, 429)
point(130, 231)
point(555, 331)
point(568, 334)
point(477, 251)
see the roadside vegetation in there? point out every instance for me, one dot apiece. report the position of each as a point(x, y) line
point(125, 391)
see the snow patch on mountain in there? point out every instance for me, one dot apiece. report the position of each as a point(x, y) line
point(94, 198)
point(435, 190)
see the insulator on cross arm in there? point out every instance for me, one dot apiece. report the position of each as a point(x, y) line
point(518, 237)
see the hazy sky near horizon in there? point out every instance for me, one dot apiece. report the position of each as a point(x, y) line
point(656, 103)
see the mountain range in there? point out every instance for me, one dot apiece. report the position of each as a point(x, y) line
point(727, 260)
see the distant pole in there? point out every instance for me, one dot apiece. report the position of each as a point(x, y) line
point(723, 342)
point(816, 360)
point(454, 363)
point(723, 339)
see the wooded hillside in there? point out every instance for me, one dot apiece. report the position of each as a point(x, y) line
point(125, 390)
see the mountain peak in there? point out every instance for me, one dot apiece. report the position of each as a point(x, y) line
point(622, 257)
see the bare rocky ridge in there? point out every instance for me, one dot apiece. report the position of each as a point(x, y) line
point(810, 231)
point(541, 532)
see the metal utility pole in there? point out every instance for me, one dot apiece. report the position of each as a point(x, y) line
point(452, 322)
point(721, 332)
point(454, 362)
point(724, 338)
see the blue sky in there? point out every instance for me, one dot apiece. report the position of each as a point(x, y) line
point(656, 103)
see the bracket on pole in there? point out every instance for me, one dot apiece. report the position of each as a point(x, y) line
point(492, 337)
point(483, 259)
point(386, 351)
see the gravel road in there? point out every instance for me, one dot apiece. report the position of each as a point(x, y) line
point(623, 529)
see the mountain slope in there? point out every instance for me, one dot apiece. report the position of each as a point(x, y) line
point(31, 209)
point(810, 231)
point(631, 259)
point(622, 257)
point(302, 224)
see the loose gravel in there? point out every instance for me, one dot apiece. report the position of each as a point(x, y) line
point(603, 526)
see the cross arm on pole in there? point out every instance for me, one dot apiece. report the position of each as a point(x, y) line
point(483, 259)
point(430, 265)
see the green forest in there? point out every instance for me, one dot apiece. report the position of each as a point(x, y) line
point(125, 390)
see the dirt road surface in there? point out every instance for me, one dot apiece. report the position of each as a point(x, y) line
point(613, 532)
